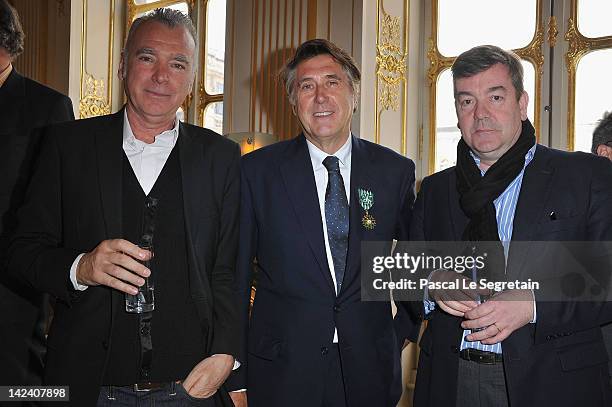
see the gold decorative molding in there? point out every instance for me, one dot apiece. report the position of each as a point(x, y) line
point(533, 52)
point(552, 31)
point(204, 100)
point(390, 63)
point(134, 9)
point(576, 45)
point(437, 62)
point(93, 103)
point(391, 67)
point(201, 101)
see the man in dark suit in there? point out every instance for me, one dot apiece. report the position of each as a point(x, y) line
point(602, 146)
point(91, 195)
point(307, 205)
point(25, 106)
point(529, 351)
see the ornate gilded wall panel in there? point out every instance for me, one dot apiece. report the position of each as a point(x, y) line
point(95, 85)
point(391, 88)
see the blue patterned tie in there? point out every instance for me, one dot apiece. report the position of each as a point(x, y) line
point(336, 217)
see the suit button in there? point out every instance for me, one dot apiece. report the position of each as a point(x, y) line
point(454, 349)
point(336, 308)
point(145, 330)
point(549, 337)
point(105, 344)
point(144, 373)
point(324, 350)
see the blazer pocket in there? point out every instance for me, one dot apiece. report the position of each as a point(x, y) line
point(583, 355)
point(569, 223)
point(266, 347)
point(581, 349)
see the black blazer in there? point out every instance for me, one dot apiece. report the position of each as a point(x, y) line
point(296, 308)
point(25, 106)
point(74, 202)
point(560, 360)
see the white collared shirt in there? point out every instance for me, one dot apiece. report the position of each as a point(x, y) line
point(321, 178)
point(148, 160)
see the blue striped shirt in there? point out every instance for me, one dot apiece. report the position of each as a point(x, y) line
point(505, 207)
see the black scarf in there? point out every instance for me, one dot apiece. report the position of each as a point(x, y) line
point(477, 193)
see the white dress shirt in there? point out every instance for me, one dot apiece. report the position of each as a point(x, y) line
point(321, 177)
point(147, 161)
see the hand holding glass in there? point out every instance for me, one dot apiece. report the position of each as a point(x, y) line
point(144, 300)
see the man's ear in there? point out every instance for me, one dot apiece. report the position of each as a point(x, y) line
point(604, 151)
point(523, 102)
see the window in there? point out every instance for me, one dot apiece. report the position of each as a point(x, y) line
point(212, 66)
point(589, 67)
point(458, 26)
point(566, 49)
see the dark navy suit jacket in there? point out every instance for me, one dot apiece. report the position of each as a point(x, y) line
point(561, 359)
point(296, 309)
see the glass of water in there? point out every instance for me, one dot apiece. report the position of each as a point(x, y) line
point(144, 300)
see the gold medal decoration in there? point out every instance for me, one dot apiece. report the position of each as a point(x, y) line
point(366, 200)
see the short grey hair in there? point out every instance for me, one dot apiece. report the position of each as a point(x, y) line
point(167, 16)
point(11, 33)
point(311, 49)
point(483, 57)
point(603, 132)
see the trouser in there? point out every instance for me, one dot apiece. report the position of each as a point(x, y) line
point(334, 394)
point(481, 385)
point(170, 394)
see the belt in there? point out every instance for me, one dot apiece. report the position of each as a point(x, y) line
point(480, 356)
point(149, 386)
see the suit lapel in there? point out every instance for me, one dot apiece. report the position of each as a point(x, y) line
point(361, 170)
point(298, 177)
point(192, 167)
point(535, 190)
point(193, 170)
point(109, 156)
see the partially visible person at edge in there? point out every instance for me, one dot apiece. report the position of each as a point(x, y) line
point(25, 107)
point(602, 146)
